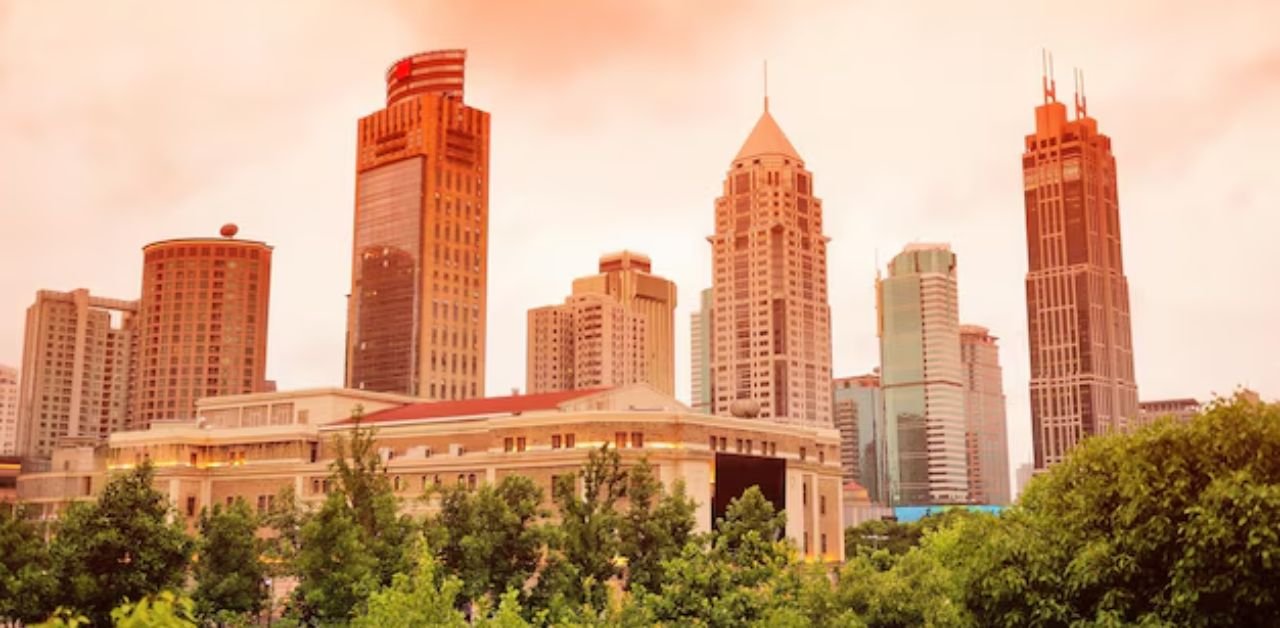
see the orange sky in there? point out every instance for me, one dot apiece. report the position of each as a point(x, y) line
point(613, 124)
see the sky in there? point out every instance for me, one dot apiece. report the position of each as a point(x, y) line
point(613, 125)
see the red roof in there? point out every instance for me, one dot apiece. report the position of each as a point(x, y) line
point(512, 404)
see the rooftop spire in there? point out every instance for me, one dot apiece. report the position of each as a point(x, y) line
point(1082, 105)
point(1046, 77)
point(766, 85)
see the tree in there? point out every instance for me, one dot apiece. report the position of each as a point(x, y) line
point(748, 573)
point(361, 478)
point(25, 582)
point(425, 597)
point(655, 527)
point(586, 545)
point(336, 571)
point(163, 609)
point(1176, 524)
point(229, 573)
point(878, 534)
point(491, 537)
point(125, 546)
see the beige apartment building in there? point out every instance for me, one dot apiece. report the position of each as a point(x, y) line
point(628, 277)
point(615, 329)
point(8, 411)
point(77, 359)
point(252, 446)
point(771, 342)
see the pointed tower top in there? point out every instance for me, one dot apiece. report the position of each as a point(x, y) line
point(767, 138)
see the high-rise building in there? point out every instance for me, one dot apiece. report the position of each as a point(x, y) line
point(700, 332)
point(76, 362)
point(986, 441)
point(416, 312)
point(772, 330)
point(8, 411)
point(1181, 410)
point(859, 413)
point(628, 278)
point(588, 342)
point(202, 328)
point(1024, 474)
point(921, 377)
point(1082, 380)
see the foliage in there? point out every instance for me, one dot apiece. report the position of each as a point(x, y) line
point(122, 547)
point(361, 479)
point(284, 522)
point(650, 533)
point(336, 571)
point(426, 597)
point(1176, 524)
point(163, 610)
point(586, 545)
point(491, 537)
point(229, 574)
point(25, 581)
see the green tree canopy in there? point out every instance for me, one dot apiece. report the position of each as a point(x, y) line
point(656, 526)
point(26, 584)
point(124, 546)
point(492, 538)
point(229, 572)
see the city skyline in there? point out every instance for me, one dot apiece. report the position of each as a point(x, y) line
point(869, 205)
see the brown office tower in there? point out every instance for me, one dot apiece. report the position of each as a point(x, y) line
point(416, 312)
point(985, 437)
point(76, 362)
point(1082, 380)
point(772, 333)
point(203, 324)
point(628, 277)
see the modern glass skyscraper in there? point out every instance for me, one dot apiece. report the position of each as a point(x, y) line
point(986, 441)
point(1082, 380)
point(416, 312)
point(921, 377)
point(772, 324)
point(859, 411)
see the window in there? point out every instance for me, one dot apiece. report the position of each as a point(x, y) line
point(637, 440)
point(712, 446)
point(737, 443)
point(397, 484)
point(315, 452)
point(804, 494)
point(193, 459)
point(471, 482)
point(191, 506)
point(620, 439)
point(508, 444)
point(750, 447)
point(262, 504)
point(724, 444)
point(804, 453)
point(806, 542)
point(822, 455)
point(555, 441)
point(520, 443)
point(823, 542)
point(569, 441)
point(822, 509)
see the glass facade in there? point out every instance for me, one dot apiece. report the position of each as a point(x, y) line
point(921, 378)
point(859, 410)
point(387, 299)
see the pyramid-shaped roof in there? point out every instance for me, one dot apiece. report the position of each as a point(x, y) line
point(767, 138)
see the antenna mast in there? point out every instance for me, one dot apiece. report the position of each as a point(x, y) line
point(766, 85)
point(1046, 77)
point(1082, 102)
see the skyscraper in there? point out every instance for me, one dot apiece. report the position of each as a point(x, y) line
point(416, 312)
point(202, 330)
point(771, 321)
point(986, 441)
point(628, 277)
point(590, 341)
point(1082, 380)
point(8, 410)
point(921, 377)
point(859, 413)
point(701, 389)
point(76, 362)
